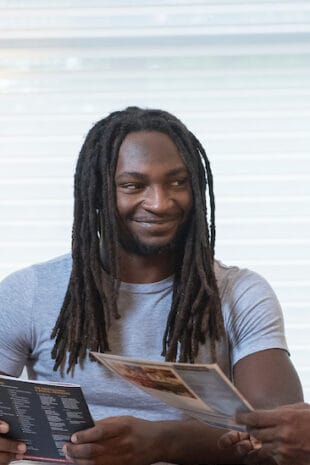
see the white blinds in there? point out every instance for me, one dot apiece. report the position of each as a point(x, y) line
point(236, 72)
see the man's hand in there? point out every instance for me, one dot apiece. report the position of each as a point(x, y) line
point(9, 449)
point(242, 443)
point(284, 432)
point(116, 441)
point(245, 448)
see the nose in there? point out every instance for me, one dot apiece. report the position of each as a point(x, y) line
point(157, 200)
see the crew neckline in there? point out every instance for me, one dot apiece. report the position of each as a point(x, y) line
point(146, 288)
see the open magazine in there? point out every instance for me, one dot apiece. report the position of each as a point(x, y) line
point(43, 415)
point(201, 391)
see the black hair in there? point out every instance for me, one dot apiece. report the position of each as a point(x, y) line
point(91, 298)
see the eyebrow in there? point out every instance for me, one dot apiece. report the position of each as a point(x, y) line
point(142, 176)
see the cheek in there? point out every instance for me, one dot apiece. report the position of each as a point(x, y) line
point(125, 204)
point(187, 202)
point(119, 202)
point(121, 207)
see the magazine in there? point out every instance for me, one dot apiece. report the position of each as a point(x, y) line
point(202, 391)
point(43, 415)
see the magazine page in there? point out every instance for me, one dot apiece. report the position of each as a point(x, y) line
point(43, 415)
point(213, 387)
point(201, 391)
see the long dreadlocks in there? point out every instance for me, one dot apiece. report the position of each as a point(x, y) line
point(91, 298)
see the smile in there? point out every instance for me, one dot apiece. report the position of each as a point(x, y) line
point(156, 225)
point(155, 222)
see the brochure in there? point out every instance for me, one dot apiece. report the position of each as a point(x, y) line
point(43, 415)
point(201, 391)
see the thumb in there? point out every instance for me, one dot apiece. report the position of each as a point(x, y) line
point(4, 427)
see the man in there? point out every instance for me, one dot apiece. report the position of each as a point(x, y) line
point(282, 434)
point(143, 283)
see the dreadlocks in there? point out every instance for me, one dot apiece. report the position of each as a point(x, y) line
point(91, 298)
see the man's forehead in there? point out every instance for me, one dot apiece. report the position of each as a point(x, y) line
point(147, 137)
point(149, 147)
point(143, 174)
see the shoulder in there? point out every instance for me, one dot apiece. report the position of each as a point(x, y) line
point(54, 269)
point(252, 313)
point(244, 293)
point(22, 284)
point(59, 265)
point(234, 282)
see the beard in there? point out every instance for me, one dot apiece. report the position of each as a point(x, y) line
point(133, 245)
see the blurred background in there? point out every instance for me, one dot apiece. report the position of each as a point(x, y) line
point(236, 72)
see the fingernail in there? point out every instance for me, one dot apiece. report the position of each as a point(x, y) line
point(21, 448)
point(65, 450)
point(4, 427)
point(74, 438)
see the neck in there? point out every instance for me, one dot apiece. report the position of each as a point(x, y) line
point(138, 269)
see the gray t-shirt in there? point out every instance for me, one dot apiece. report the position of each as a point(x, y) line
point(30, 301)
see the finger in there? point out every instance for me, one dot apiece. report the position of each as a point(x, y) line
point(79, 452)
point(270, 448)
point(97, 433)
point(103, 430)
point(231, 438)
point(258, 419)
point(224, 442)
point(256, 457)
point(264, 434)
point(243, 448)
point(298, 406)
point(4, 427)
point(256, 444)
point(88, 461)
point(14, 447)
point(6, 457)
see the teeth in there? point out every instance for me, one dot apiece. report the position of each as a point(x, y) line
point(155, 221)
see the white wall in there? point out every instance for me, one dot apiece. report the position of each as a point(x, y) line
point(236, 73)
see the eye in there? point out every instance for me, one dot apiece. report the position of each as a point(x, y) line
point(131, 186)
point(179, 182)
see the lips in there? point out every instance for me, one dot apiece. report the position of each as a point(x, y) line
point(155, 220)
point(156, 226)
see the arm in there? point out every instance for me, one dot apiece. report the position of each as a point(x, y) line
point(133, 441)
point(128, 440)
point(268, 379)
point(16, 295)
point(279, 384)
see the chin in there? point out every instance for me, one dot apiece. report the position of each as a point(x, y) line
point(152, 246)
point(148, 249)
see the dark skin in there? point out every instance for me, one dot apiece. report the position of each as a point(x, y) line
point(187, 442)
point(154, 201)
point(9, 449)
point(281, 434)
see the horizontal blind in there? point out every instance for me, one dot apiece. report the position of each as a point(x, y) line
point(237, 73)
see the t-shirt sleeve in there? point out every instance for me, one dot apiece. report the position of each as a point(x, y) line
point(253, 314)
point(16, 298)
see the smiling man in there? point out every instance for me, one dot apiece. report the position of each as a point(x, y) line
point(142, 281)
point(153, 200)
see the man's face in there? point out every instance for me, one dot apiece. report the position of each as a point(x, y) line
point(153, 193)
